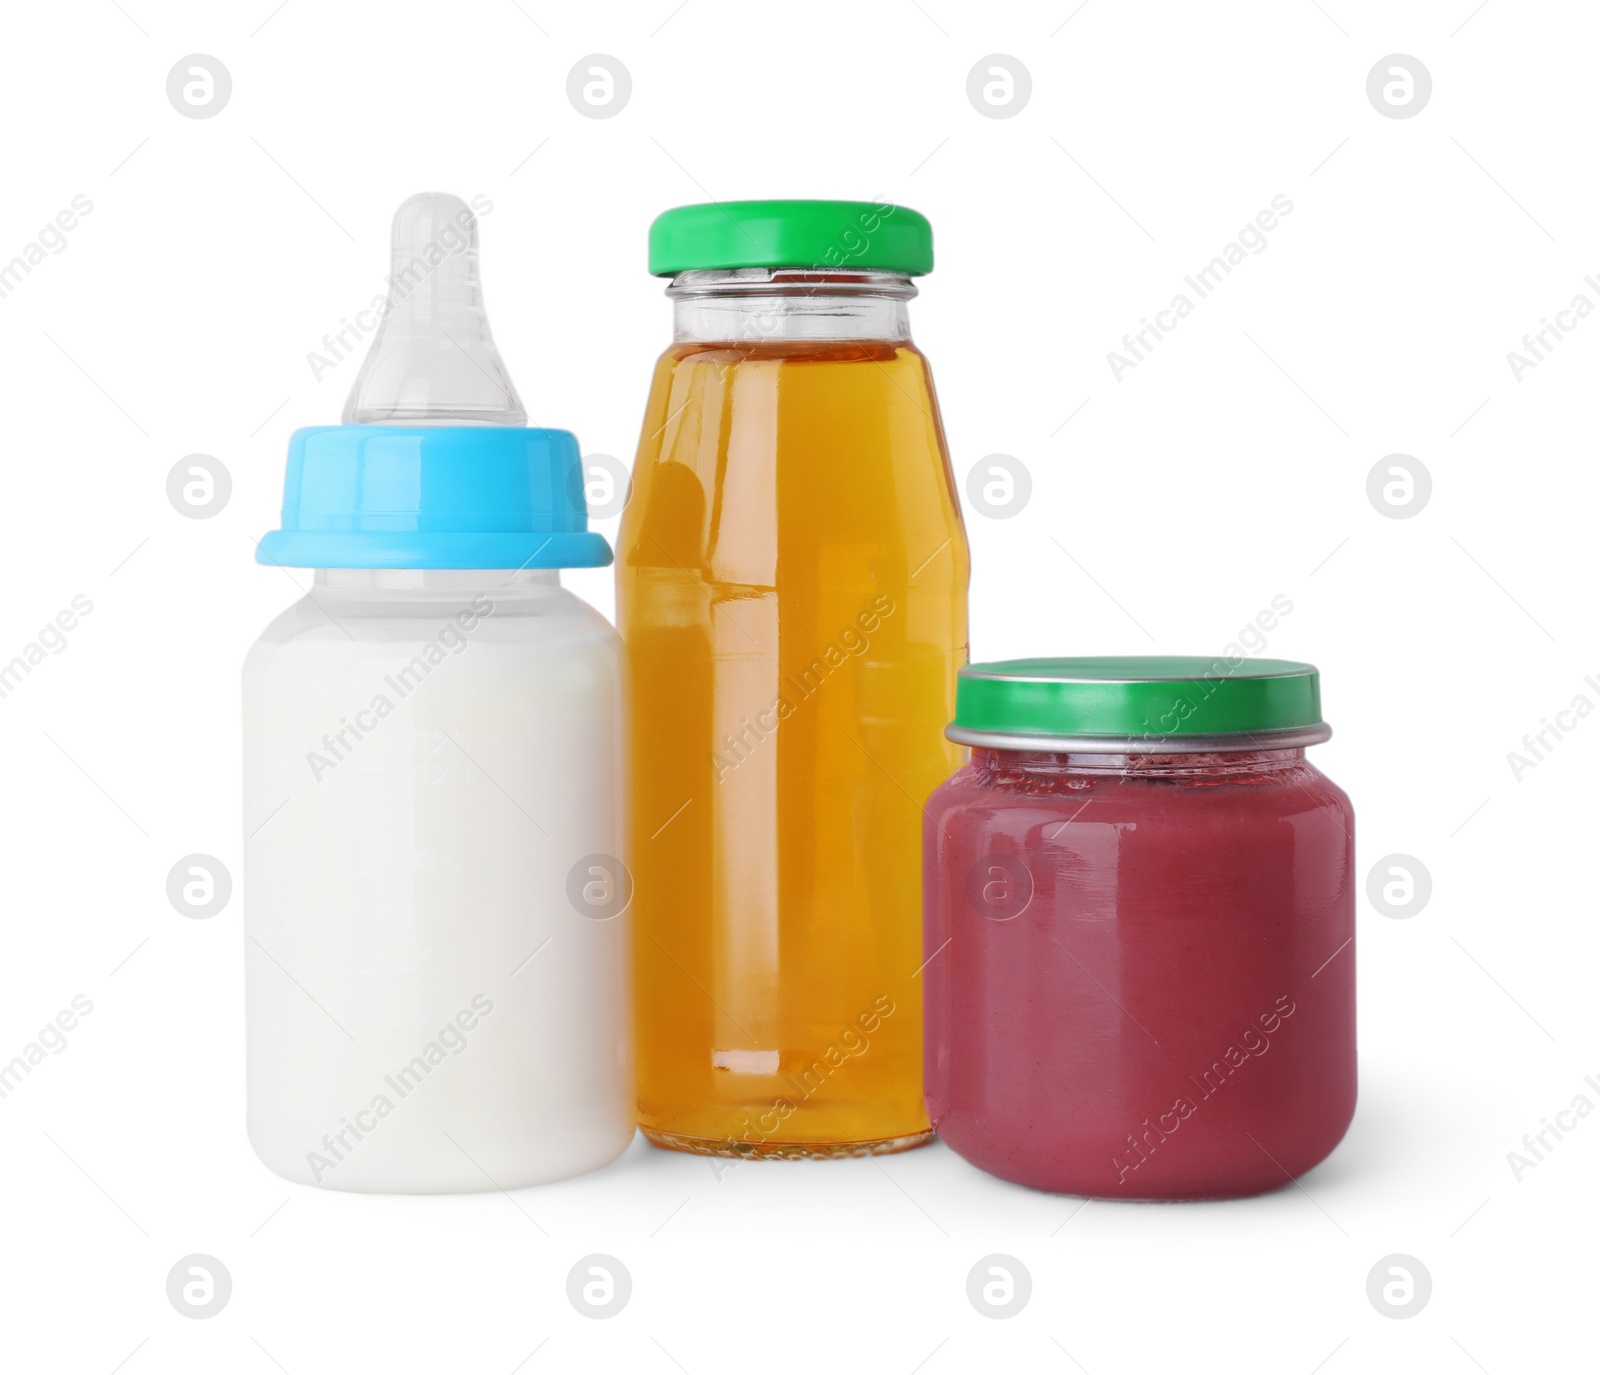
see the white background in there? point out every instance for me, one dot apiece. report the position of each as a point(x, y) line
point(1169, 509)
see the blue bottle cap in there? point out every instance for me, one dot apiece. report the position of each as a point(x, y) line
point(434, 496)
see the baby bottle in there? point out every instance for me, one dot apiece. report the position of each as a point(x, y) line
point(792, 587)
point(436, 882)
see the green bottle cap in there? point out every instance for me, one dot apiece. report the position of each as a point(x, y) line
point(1139, 705)
point(825, 236)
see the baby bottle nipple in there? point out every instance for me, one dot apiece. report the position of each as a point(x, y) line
point(433, 359)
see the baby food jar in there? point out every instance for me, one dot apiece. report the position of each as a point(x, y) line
point(437, 946)
point(1139, 926)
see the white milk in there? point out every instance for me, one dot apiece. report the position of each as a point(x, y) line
point(437, 978)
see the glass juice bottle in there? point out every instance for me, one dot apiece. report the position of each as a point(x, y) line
point(791, 585)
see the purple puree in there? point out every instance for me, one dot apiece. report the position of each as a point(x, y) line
point(1149, 984)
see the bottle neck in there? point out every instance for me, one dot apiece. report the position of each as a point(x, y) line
point(759, 305)
point(442, 583)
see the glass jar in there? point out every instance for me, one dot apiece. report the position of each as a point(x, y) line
point(791, 584)
point(1139, 929)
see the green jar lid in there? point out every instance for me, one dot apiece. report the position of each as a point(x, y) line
point(1139, 705)
point(824, 235)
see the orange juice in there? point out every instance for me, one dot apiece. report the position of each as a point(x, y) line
point(791, 582)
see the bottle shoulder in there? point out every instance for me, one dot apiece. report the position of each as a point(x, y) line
point(799, 452)
point(521, 617)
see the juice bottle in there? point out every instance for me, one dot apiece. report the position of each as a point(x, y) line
point(791, 585)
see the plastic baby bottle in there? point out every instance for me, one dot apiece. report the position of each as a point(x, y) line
point(436, 884)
